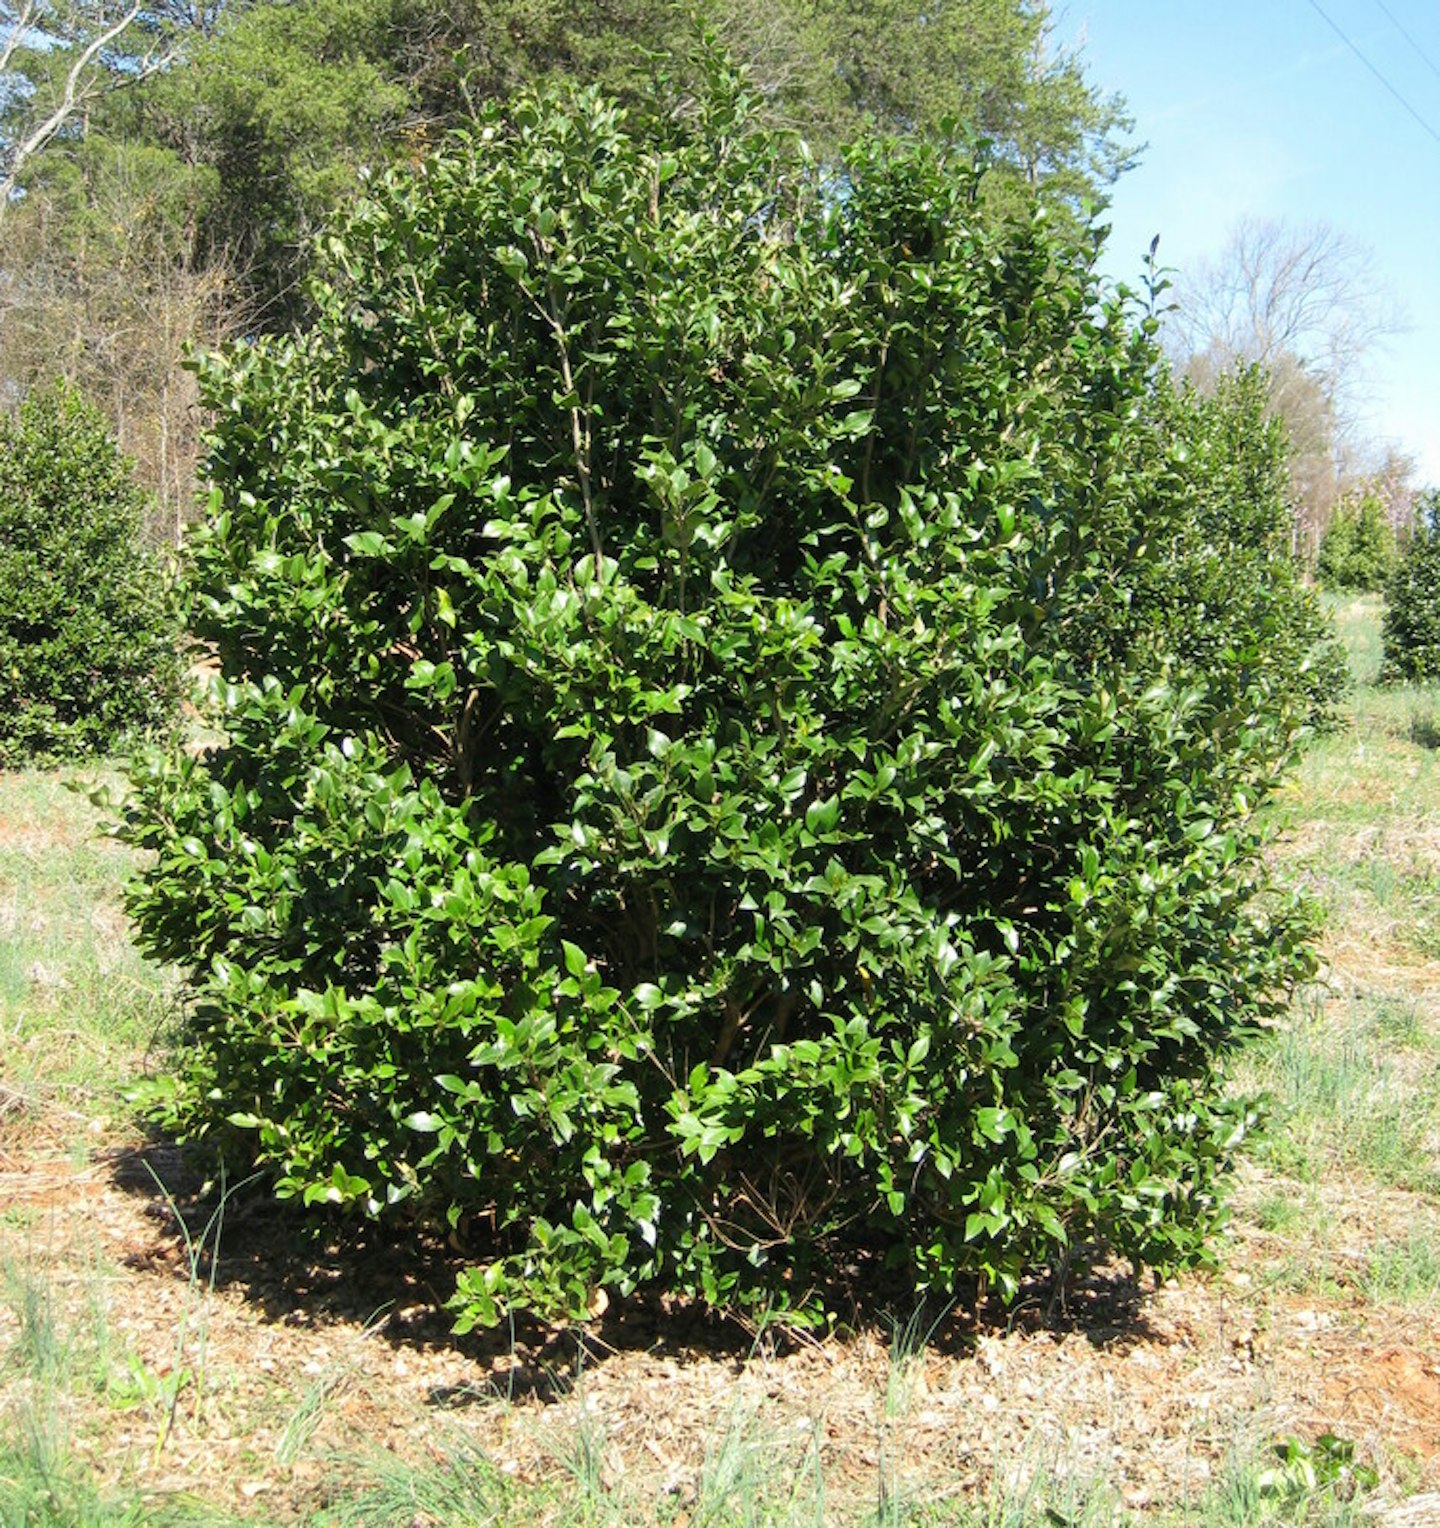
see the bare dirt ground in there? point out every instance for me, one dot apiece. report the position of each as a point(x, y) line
point(1148, 1389)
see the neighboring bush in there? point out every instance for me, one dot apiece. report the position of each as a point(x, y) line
point(88, 656)
point(1358, 552)
point(1202, 548)
point(733, 779)
point(1411, 631)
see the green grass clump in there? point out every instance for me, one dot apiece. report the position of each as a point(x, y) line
point(1341, 1105)
point(1405, 1272)
point(77, 1003)
point(58, 1374)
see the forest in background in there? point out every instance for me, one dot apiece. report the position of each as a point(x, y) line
point(166, 170)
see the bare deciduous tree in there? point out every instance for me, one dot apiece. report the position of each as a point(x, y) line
point(56, 58)
point(1278, 289)
point(99, 284)
point(1308, 304)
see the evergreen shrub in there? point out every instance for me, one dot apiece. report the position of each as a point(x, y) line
point(1411, 629)
point(740, 757)
point(1358, 551)
point(88, 654)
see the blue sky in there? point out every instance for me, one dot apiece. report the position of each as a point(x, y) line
point(1260, 109)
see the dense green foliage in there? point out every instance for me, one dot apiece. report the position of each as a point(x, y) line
point(1208, 577)
point(87, 646)
point(740, 753)
point(1358, 552)
point(1411, 632)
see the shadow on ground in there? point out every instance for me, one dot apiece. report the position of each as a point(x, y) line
point(303, 1270)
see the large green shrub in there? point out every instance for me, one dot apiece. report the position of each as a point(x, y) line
point(1358, 553)
point(699, 805)
point(88, 656)
point(1411, 631)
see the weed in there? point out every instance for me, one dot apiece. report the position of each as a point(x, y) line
point(42, 1486)
point(202, 1257)
point(733, 1478)
point(1339, 1106)
point(1288, 1484)
point(1404, 1272)
point(1280, 1211)
point(301, 1424)
point(1425, 728)
point(44, 1483)
point(37, 1348)
point(464, 1486)
point(76, 1000)
point(1045, 1494)
point(908, 1341)
point(1396, 1022)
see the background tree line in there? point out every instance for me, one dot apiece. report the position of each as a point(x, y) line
point(164, 170)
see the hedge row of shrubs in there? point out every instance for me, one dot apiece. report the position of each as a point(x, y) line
point(1361, 554)
point(1358, 552)
point(1412, 602)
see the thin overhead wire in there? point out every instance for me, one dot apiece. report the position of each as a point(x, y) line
point(1396, 23)
point(1334, 27)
